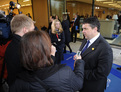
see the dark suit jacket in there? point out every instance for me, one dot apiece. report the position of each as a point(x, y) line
point(76, 23)
point(98, 62)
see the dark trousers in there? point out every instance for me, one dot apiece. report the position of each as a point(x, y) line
point(73, 31)
point(59, 55)
point(67, 44)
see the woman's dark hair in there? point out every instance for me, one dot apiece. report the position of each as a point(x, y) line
point(94, 22)
point(35, 49)
point(64, 16)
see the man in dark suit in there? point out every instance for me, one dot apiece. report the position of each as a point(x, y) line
point(75, 27)
point(98, 57)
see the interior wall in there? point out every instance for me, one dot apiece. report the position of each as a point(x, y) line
point(57, 8)
point(82, 8)
point(27, 9)
point(40, 13)
point(86, 9)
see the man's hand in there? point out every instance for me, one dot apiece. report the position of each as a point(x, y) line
point(76, 57)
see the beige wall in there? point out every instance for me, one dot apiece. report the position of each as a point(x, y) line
point(40, 13)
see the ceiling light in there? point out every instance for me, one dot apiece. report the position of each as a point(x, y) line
point(107, 2)
point(101, 0)
point(118, 1)
point(112, 4)
point(22, 5)
point(26, 0)
point(28, 4)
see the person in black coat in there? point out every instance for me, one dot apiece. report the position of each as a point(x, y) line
point(58, 39)
point(20, 24)
point(65, 25)
point(98, 57)
point(50, 23)
point(35, 52)
point(75, 27)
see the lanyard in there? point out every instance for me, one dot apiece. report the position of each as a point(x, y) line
point(57, 36)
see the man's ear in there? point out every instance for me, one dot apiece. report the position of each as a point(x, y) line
point(95, 29)
point(25, 30)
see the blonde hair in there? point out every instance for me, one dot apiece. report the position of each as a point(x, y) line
point(53, 27)
point(20, 21)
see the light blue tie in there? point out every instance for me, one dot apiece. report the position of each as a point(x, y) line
point(85, 47)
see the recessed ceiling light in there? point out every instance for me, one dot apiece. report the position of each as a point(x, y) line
point(107, 2)
point(26, 0)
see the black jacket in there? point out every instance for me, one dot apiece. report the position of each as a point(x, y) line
point(54, 39)
point(98, 62)
point(76, 23)
point(58, 77)
point(12, 59)
point(65, 25)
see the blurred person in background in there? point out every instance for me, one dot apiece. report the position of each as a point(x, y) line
point(65, 25)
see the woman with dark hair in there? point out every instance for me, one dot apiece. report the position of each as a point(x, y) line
point(65, 25)
point(35, 52)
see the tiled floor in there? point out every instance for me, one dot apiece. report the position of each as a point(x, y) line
point(117, 40)
point(116, 51)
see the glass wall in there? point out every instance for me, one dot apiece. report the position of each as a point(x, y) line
point(57, 7)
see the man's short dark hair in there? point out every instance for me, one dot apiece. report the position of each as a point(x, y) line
point(94, 22)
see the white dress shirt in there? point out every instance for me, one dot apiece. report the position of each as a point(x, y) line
point(93, 39)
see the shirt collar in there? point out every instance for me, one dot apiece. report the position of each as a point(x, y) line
point(94, 38)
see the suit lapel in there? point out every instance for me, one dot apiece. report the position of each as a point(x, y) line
point(83, 44)
point(92, 47)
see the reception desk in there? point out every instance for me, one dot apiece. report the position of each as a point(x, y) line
point(107, 28)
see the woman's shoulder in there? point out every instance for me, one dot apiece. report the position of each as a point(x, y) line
point(65, 70)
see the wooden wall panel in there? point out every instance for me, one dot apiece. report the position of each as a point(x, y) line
point(40, 13)
point(27, 9)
